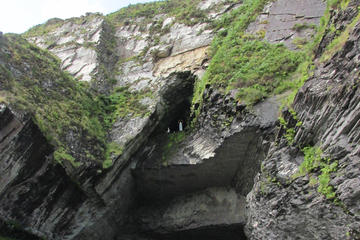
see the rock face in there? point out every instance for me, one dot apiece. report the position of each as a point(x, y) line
point(128, 56)
point(290, 22)
point(35, 192)
point(221, 160)
point(214, 213)
point(328, 106)
point(74, 45)
point(207, 158)
point(233, 175)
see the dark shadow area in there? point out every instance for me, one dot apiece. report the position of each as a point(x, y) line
point(175, 114)
point(158, 180)
point(177, 96)
point(241, 153)
point(180, 113)
point(234, 232)
point(12, 230)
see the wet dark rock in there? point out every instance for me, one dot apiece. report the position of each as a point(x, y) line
point(14, 231)
point(33, 188)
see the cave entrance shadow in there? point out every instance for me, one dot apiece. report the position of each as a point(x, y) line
point(181, 113)
point(178, 98)
point(150, 159)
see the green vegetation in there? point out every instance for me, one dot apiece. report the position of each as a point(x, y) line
point(324, 179)
point(122, 103)
point(54, 23)
point(113, 150)
point(290, 130)
point(183, 12)
point(300, 42)
point(314, 162)
point(245, 62)
point(61, 155)
point(62, 107)
point(338, 3)
point(42, 29)
point(59, 104)
point(312, 159)
point(290, 133)
point(338, 43)
point(259, 69)
point(301, 26)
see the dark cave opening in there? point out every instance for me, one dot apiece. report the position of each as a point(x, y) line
point(176, 106)
point(178, 99)
point(180, 113)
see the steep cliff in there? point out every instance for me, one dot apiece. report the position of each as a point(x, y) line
point(89, 123)
point(309, 186)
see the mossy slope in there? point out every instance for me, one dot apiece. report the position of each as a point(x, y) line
point(64, 109)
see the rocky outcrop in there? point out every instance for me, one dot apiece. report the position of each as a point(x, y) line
point(179, 48)
point(283, 205)
point(193, 60)
point(36, 193)
point(54, 204)
point(291, 22)
point(74, 41)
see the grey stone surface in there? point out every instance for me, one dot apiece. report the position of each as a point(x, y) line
point(203, 5)
point(210, 207)
point(70, 42)
point(279, 18)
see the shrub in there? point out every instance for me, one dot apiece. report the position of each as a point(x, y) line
point(312, 159)
point(314, 162)
point(301, 26)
